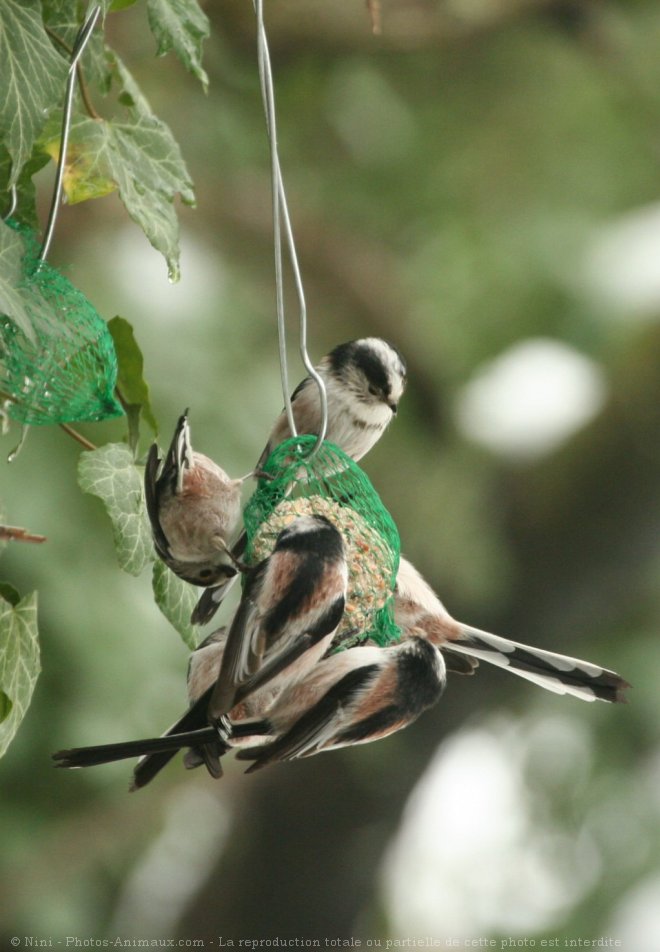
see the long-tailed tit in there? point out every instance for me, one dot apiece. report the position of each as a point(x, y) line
point(353, 697)
point(193, 508)
point(291, 606)
point(419, 610)
point(364, 381)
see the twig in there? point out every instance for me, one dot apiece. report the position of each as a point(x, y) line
point(82, 83)
point(78, 437)
point(16, 534)
point(373, 9)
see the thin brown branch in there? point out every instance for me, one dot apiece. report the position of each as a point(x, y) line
point(17, 534)
point(82, 83)
point(373, 9)
point(78, 437)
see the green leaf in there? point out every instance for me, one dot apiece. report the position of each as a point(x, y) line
point(130, 94)
point(3, 542)
point(9, 593)
point(180, 25)
point(176, 599)
point(139, 156)
point(111, 474)
point(170, 172)
point(114, 5)
point(19, 663)
point(32, 78)
point(6, 705)
point(132, 387)
point(11, 297)
point(64, 19)
point(25, 211)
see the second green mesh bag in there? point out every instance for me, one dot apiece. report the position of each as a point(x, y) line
point(67, 372)
point(329, 483)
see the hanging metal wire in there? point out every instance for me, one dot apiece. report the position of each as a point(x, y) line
point(79, 45)
point(13, 202)
point(281, 219)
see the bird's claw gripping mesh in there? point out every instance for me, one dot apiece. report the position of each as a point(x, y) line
point(329, 483)
point(67, 374)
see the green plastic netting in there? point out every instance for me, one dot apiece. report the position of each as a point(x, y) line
point(331, 484)
point(67, 374)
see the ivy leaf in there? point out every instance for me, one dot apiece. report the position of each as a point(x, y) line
point(63, 20)
point(180, 25)
point(6, 705)
point(171, 172)
point(3, 542)
point(32, 78)
point(111, 474)
point(130, 94)
point(85, 175)
point(19, 663)
point(113, 5)
point(132, 387)
point(9, 593)
point(25, 211)
point(11, 275)
point(176, 600)
point(140, 157)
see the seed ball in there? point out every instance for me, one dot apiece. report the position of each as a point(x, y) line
point(370, 560)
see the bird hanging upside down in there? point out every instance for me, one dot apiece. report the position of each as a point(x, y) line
point(194, 508)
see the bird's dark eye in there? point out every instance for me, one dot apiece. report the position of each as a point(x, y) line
point(206, 573)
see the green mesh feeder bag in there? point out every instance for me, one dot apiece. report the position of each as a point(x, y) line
point(67, 374)
point(331, 484)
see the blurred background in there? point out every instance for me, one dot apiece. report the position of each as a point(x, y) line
point(481, 185)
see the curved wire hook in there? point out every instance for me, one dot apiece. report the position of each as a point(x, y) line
point(281, 215)
point(79, 45)
point(12, 203)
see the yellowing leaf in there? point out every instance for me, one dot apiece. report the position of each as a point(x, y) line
point(140, 156)
point(85, 176)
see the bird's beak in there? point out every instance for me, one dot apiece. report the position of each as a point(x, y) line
point(393, 407)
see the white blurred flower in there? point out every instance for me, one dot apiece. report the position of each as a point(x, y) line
point(622, 266)
point(530, 399)
point(470, 856)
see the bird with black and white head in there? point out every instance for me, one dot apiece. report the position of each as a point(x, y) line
point(364, 381)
